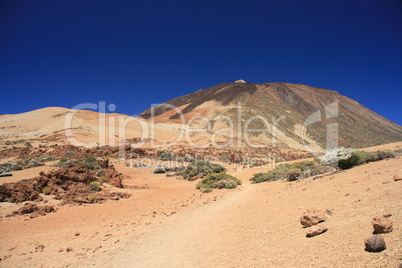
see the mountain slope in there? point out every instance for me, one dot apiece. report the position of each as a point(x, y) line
point(358, 126)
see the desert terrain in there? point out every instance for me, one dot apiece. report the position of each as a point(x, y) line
point(168, 223)
point(81, 188)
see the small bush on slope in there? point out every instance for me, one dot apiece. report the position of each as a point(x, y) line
point(200, 168)
point(65, 163)
point(90, 163)
point(166, 155)
point(219, 181)
point(292, 172)
point(94, 186)
point(348, 158)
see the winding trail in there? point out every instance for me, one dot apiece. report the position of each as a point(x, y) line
point(257, 225)
point(218, 233)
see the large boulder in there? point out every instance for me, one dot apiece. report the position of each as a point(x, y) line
point(312, 217)
point(375, 243)
point(382, 225)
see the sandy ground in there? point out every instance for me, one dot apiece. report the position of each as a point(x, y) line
point(91, 229)
point(170, 224)
point(388, 146)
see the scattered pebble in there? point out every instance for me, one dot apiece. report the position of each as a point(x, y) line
point(315, 230)
point(39, 248)
point(397, 178)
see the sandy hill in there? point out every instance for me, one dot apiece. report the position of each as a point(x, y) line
point(217, 115)
point(87, 128)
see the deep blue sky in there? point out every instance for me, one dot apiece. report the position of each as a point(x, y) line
point(138, 53)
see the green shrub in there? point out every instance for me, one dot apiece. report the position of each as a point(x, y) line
point(262, 177)
point(28, 144)
point(94, 186)
point(47, 158)
point(188, 158)
point(361, 157)
point(100, 173)
point(46, 190)
point(69, 153)
point(35, 163)
point(224, 159)
point(225, 184)
point(90, 163)
point(16, 167)
point(357, 158)
point(166, 155)
point(380, 155)
point(200, 168)
point(219, 181)
point(206, 190)
point(65, 163)
point(93, 198)
point(292, 172)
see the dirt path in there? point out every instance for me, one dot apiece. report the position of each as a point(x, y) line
point(258, 226)
point(192, 237)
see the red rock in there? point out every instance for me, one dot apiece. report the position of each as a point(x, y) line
point(312, 217)
point(382, 225)
point(397, 178)
point(375, 243)
point(315, 230)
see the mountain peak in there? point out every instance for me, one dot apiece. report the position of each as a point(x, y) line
point(358, 126)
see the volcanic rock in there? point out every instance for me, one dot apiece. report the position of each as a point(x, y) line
point(397, 178)
point(315, 230)
point(382, 225)
point(375, 243)
point(312, 217)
